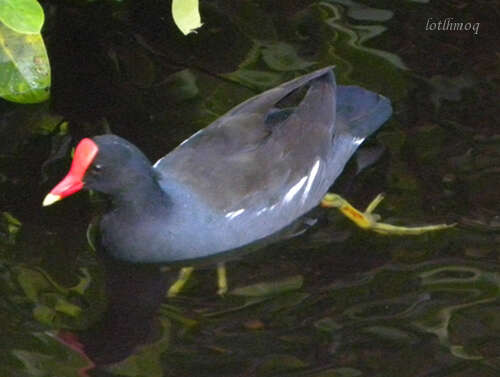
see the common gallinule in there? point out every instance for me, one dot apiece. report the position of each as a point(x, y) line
point(246, 177)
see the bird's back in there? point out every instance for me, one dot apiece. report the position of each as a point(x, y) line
point(256, 169)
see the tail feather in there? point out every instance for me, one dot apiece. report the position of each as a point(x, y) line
point(360, 112)
point(264, 102)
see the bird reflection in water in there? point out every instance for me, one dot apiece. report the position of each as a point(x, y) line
point(134, 294)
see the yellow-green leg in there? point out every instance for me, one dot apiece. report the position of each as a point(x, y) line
point(185, 274)
point(221, 279)
point(181, 281)
point(370, 220)
point(366, 220)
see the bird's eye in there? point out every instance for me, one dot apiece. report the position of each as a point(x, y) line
point(96, 168)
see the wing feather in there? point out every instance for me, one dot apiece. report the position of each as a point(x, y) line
point(243, 161)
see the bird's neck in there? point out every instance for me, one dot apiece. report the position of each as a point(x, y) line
point(143, 196)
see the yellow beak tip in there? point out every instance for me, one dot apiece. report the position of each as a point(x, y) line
point(50, 199)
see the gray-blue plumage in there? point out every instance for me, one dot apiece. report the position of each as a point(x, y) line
point(248, 175)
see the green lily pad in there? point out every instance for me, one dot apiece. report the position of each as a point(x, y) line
point(22, 16)
point(24, 67)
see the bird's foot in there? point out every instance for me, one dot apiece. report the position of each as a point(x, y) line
point(370, 221)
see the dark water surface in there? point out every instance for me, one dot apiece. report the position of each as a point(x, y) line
point(334, 302)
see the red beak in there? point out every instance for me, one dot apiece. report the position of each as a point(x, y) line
point(85, 154)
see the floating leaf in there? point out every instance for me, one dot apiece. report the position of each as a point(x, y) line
point(32, 282)
point(286, 300)
point(64, 306)
point(275, 364)
point(328, 325)
point(362, 12)
point(186, 15)
point(254, 324)
point(340, 372)
point(391, 334)
point(148, 360)
point(271, 288)
point(92, 235)
point(51, 359)
point(174, 315)
point(10, 227)
point(44, 314)
point(182, 85)
point(281, 56)
point(84, 282)
point(449, 88)
point(260, 80)
point(23, 16)
point(24, 67)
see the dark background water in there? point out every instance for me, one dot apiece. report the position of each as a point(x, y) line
point(336, 301)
